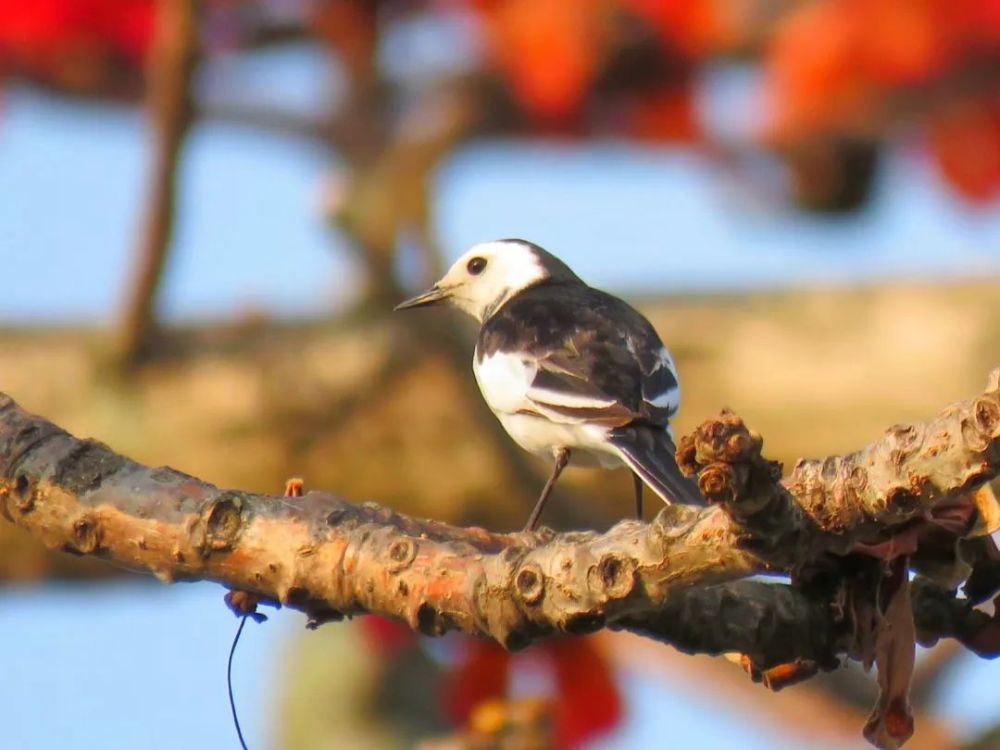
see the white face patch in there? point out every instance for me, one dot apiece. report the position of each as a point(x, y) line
point(510, 267)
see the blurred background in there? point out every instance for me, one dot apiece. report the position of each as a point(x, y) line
point(209, 207)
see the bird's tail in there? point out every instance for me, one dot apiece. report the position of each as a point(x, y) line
point(649, 452)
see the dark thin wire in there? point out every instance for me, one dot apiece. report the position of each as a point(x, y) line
point(229, 680)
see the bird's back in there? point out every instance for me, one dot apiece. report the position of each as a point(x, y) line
point(608, 342)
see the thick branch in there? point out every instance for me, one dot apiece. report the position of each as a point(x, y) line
point(775, 623)
point(328, 557)
point(832, 504)
point(771, 623)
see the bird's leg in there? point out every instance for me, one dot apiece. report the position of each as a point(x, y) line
point(637, 483)
point(562, 458)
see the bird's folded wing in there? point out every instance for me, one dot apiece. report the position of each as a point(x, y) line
point(563, 385)
point(661, 392)
point(562, 392)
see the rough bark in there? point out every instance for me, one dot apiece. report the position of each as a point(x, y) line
point(331, 558)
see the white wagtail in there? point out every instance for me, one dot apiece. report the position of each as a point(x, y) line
point(570, 371)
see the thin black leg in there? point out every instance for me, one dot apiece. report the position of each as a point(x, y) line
point(638, 495)
point(562, 458)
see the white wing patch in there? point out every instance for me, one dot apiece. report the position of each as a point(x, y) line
point(670, 398)
point(665, 360)
point(504, 379)
point(565, 398)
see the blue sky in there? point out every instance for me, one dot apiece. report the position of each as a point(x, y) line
point(250, 234)
point(135, 665)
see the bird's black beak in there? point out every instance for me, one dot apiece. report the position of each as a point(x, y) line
point(431, 296)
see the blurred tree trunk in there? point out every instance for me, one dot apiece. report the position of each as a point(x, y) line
point(172, 64)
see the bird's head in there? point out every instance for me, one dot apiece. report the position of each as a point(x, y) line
point(490, 273)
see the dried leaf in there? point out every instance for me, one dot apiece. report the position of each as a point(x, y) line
point(891, 721)
point(901, 543)
point(933, 543)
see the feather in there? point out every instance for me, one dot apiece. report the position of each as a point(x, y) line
point(649, 452)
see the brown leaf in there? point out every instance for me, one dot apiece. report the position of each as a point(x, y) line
point(975, 513)
point(933, 542)
point(891, 721)
point(902, 542)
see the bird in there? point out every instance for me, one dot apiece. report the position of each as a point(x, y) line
point(574, 374)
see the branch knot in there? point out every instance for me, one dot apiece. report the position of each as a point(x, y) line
point(615, 574)
point(530, 583)
point(402, 552)
point(726, 456)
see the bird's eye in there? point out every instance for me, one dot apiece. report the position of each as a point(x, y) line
point(476, 266)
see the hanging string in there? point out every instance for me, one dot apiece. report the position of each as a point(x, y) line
point(229, 680)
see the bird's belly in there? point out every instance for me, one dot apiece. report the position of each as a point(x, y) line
point(541, 436)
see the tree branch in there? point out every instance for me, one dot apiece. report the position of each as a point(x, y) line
point(172, 63)
point(770, 623)
point(331, 558)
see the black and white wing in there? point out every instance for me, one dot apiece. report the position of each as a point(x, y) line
point(577, 356)
point(591, 360)
point(560, 387)
point(550, 386)
point(661, 390)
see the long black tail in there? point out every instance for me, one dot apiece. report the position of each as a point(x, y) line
point(649, 452)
